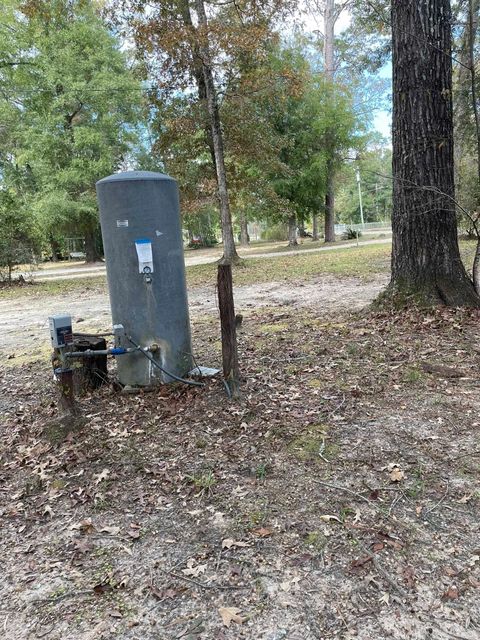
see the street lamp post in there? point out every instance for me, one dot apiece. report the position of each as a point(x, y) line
point(360, 197)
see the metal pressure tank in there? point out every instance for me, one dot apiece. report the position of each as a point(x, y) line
point(142, 240)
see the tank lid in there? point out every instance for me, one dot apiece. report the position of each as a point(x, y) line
point(134, 175)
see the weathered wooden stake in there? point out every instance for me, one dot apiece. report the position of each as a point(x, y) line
point(229, 332)
point(67, 395)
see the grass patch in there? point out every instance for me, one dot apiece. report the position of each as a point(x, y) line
point(311, 445)
point(364, 261)
point(47, 289)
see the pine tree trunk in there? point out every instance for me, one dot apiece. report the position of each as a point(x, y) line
point(329, 58)
point(229, 250)
point(244, 237)
point(314, 227)
point(330, 207)
point(426, 259)
point(292, 231)
point(91, 253)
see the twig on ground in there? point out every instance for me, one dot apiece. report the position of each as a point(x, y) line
point(435, 506)
point(69, 594)
point(466, 455)
point(322, 449)
point(384, 573)
point(344, 489)
point(203, 585)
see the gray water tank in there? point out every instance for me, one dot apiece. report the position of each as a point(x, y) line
point(142, 240)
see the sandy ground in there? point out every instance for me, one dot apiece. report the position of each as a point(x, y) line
point(338, 499)
point(24, 321)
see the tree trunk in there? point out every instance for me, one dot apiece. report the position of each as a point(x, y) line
point(314, 227)
point(229, 251)
point(292, 231)
point(330, 207)
point(197, 71)
point(426, 259)
point(473, 7)
point(91, 253)
point(226, 308)
point(55, 247)
point(329, 18)
point(244, 237)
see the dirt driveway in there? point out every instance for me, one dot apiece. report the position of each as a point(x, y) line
point(24, 321)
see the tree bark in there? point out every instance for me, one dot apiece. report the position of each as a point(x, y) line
point(426, 259)
point(473, 7)
point(314, 227)
point(329, 18)
point(229, 250)
point(55, 247)
point(292, 231)
point(91, 253)
point(244, 237)
point(330, 206)
point(226, 307)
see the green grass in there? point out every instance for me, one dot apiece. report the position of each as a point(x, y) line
point(362, 262)
point(47, 289)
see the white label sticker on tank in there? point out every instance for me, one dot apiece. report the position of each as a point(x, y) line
point(122, 223)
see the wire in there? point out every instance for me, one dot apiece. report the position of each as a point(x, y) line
point(154, 362)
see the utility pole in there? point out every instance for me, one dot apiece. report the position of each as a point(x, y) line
point(360, 197)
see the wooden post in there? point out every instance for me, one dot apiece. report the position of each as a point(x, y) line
point(67, 396)
point(229, 332)
point(65, 382)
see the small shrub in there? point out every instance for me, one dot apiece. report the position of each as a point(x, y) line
point(276, 232)
point(351, 234)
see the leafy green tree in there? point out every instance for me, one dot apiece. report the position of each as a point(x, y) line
point(318, 126)
point(77, 106)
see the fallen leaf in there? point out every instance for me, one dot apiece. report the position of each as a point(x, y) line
point(102, 587)
point(194, 571)
point(48, 511)
point(85, 526)
point(396, 474)
point(263, 532)
point(451, 593)
point(385, 598)
point(102, 476)
point(111, 530)
point(228, 543)
point(327, 518)
point(115, 613)
point(360, 562)
point(230, 614)
point(466, 498)
point(409, 576)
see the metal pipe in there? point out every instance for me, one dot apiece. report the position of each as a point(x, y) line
point(155, 363)
point(91, 353)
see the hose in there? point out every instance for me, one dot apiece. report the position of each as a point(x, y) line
point(171, 375)
point(92, 335)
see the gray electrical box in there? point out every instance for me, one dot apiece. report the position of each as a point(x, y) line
point(60, 330)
